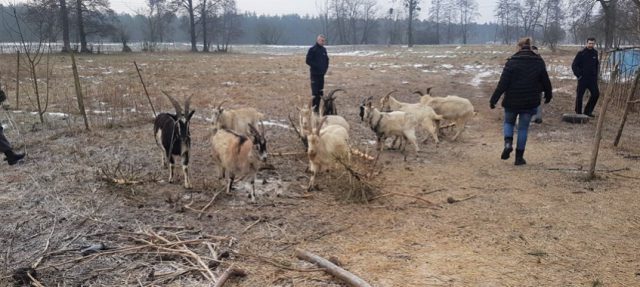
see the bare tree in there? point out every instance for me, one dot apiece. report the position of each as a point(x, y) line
point(531, 14)
point(450, 13)
point(64, 21)
point(268, 32)
point(468, 12)
point(412, 9)
point(507, 13)
point(435, 15)
point(323, 7)
point(189, 8)
point(609, 7)
point(553, 21)
point(33, 51)
point(158, 16)
point(228, 26)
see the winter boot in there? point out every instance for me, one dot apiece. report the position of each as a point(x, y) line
point(508, 148)
point(520, 157)
point(13, 158)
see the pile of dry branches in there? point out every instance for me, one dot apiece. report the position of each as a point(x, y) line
point(169, 256)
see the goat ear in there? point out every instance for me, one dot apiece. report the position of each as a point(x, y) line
point(252, 129)
point(190, 115)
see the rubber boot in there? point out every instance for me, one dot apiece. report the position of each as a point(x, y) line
point(13, 158)
point(520, 157)
point(508, 148)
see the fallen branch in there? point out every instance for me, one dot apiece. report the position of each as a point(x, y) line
point(452, 200)
point(331, 268)
point(405, 195)
point(299, 133)
point(361, 154)
point(46, 247)
point(231, 271)
point(209, 204)
point(279, 265)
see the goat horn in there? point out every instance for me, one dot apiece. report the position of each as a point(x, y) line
point(429, 90)
point(175, 104)
point(390, 93)
point(331, 96)
point(222, 103)
point(418, 92)
point(324, 119)
point(187, 103)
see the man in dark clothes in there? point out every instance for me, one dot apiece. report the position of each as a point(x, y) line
point(5, 147)
point(585, 67)
point(318, 62)
point(523, 78)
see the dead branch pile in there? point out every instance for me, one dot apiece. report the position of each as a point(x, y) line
point(167, 256)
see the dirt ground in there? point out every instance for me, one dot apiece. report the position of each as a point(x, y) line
point(542, 224)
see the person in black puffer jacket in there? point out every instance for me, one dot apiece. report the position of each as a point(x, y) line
point(585, 67)
point(318, 62)
point(5, 147)
point(523, 78)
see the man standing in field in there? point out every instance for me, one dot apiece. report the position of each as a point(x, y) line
point(318, 62)
point(585, 67)
point(5, 147)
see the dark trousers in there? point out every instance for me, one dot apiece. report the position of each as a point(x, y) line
point(317, 91)
point(592, 86)
point(5, 146)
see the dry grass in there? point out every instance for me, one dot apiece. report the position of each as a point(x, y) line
point(538, 225)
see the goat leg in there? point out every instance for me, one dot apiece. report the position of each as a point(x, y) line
point(230, 183)
point(253, 189)
point(185, 170)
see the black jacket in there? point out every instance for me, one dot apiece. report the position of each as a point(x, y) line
point(523, 78)
point(318, 60)
point(586, 65)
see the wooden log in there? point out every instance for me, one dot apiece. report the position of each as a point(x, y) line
point(331, 268)
point(627, 109)
point(599, 127)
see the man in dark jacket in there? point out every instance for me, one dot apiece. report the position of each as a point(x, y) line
point(5, 147)
point(585, 67)
point(523, 78)
point(318, 62)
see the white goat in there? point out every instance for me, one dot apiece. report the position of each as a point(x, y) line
point(426, 117)
point(237, 155)
point(236, 120)
point(326, 146)
point(307, 117)
point(386, 124)
point(452, 108)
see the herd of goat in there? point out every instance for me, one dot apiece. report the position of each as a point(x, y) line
point(238, 145)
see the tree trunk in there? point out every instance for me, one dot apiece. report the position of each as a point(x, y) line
point(64, 15)
point(81, 33)
point(603, 112)
point(609, 8)
point(205, 44)
point(18, 80)
point(410, 26)
point(79, 97)
point(192, 26)
point(627, 109)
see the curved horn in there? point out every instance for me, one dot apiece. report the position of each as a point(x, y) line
point(419, 93)
point(390, 93)
point(331, 96)
point(175, 104)
point(222, 103)
point(429, 90)
point(324, 119)
point(187, 103)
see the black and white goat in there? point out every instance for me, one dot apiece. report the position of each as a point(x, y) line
point(172, 135)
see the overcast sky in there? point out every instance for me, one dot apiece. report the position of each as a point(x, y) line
point(302, 7)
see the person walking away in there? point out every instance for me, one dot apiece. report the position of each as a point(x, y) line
point(585, 67)
point(523, 78)
point(318, 62)
point(5, 147)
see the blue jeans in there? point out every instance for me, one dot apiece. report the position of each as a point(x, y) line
point(510, 116)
